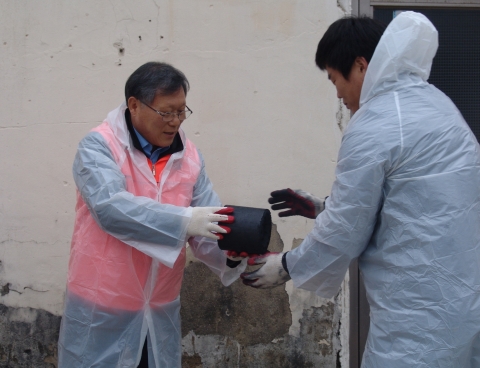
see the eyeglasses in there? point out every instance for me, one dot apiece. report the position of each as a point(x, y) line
point(167, 117)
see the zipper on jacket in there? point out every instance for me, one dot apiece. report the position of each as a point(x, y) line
point(153, 169)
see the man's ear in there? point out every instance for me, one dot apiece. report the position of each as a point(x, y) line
point(362, 64)
point(133, 105)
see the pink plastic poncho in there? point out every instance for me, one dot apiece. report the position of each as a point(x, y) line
point(128, 251)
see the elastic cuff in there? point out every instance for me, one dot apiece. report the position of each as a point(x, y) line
point(284, 262)
point(232, 264)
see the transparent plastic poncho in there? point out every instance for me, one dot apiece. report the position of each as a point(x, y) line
point(406, 201)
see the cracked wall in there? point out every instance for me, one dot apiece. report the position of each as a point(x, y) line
point(265, 118)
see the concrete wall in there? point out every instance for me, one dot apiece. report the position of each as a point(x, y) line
point(264, 117)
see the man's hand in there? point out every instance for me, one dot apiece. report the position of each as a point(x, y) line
point(203, 221)
point(298, 202)
point(270, 275)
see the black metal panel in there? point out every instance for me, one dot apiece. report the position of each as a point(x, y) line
point(355, 350)
point(456, 67)
point(359, 315)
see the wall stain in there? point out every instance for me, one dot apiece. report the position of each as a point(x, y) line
point(5, 289)
point(340, 116)
point(28, 344)
point(121, 51)
point(209, 308)
point(341, 7)
point(194, 361)
point(248, 315)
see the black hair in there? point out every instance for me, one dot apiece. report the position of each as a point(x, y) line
point(345, 40)
point(155, 78)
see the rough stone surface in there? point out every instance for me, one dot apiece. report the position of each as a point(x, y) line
point(317, 346)
point(28, 338)
point(250, 316)
point(237, 326)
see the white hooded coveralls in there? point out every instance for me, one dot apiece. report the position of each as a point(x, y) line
point(128, 251)
point(406, 201)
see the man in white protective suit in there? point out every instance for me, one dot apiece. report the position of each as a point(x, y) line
point(405, 201)
point(143, 192)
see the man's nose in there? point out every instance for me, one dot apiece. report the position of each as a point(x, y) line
point(176, 121)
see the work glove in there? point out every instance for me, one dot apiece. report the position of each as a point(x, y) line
point(270, 275)
point(203, 222)
point(298, 202)
point(234, 258)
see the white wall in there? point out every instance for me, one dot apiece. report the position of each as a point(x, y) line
point(264, 117)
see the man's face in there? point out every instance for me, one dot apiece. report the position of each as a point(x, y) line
point(349, 90)
point(150, 124)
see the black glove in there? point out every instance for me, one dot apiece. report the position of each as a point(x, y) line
point(298, 202)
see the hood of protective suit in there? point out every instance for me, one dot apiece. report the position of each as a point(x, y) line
point(403, 56)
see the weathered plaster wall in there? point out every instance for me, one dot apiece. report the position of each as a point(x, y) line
point(28, 337)
point(264, 117)
point(245, 327)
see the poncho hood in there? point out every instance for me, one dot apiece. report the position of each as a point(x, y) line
point(403, 56)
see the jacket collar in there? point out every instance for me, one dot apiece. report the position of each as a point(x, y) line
point(120, 127)
point(176, 146)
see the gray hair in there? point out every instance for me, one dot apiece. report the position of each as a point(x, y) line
point(155, 78)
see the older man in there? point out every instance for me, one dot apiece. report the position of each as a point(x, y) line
point(406, 200)
point(142, 193)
